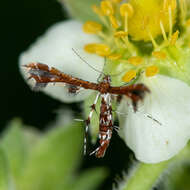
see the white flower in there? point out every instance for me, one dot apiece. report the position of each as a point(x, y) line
point(55, 50)
point(169, 104)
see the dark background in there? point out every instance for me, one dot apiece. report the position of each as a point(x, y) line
point(21, 23)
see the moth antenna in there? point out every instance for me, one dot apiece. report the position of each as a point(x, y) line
point(149, 116)
point(114, 75)
point(80, 120)
point(120, 112)
point(99, 78)
point(86, 62)
point(145, 114)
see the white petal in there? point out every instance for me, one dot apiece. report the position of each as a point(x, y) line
point(55, 49)
point(168, 103)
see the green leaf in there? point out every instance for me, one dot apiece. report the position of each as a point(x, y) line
point(31, 136)
point(50, 164)
point(14, 146)
point(90, 179)
point(53, 159)
point(5, 178)
point(81, 9)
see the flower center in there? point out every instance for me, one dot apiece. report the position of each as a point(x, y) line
point(124, 25)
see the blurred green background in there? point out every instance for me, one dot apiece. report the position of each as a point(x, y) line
point(21, 23)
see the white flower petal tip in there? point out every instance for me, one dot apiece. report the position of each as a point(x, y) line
point(55, 49)
point(168, 103)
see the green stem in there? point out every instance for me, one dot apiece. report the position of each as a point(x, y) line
point(145, 176)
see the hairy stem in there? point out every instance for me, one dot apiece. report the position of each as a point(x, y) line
point(145, 176)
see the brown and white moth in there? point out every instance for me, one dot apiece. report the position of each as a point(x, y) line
point(43, 75)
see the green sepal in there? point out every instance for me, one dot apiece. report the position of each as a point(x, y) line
point(117, 70)
point(81, 9)
point(176, 64)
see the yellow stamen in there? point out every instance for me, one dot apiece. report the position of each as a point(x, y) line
point(135, 60)
point(170, 21)
point(152, 39)
point(90, 48)
point(130, 75)
point(126, 11)
point(159, 54)
point(173, 4)
point(170, 3)
point(102, 35)
point(126, 8)
point(174, 38)
point(163, 31)
point(126, 22)
point(102, 50)
point(116, 1)
point(188, 22)
point(183, 9)
point(99, 49)
point(113, 22)
point(91, 27)
point(147, 16)
point(107, 8)
point(151, 71)
point(97, 10)
point(114, 56)
point(120, 34)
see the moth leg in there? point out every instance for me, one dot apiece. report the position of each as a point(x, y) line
point(105, 126)
point(100, 151)
point(87, 121)
point(72, 89)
